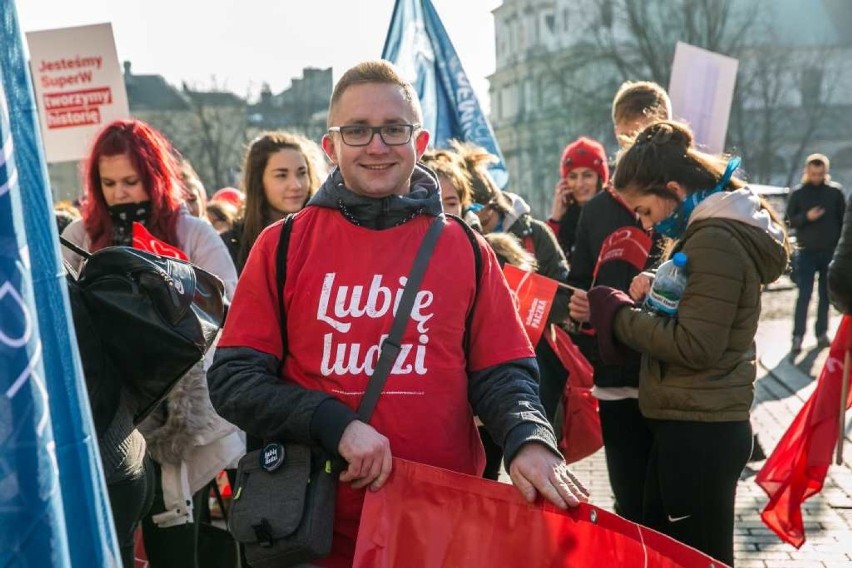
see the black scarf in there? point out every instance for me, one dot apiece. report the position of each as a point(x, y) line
point(123, 217)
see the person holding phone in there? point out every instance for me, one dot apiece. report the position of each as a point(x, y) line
point(583, 172)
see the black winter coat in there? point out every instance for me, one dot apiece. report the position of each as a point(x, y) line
point(840, 269)
point(602, 216)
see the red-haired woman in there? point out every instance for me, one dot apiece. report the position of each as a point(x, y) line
point(132, 176)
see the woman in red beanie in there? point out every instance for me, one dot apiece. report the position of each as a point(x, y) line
point(584, 172)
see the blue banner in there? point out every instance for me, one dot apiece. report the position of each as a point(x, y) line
point(419, 46)
point(32, 524)
point(54, 510)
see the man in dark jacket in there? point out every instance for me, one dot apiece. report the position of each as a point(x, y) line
point(815, 211)
point(350, 250)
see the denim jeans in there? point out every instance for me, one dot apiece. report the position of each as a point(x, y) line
point(809, 264)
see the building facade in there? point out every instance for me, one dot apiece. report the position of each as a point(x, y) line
point(559, 63)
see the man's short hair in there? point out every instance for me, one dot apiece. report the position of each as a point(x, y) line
point(378, 71)
point(640, 100)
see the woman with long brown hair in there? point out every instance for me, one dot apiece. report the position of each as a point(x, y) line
point(696, 382)
point(281, 172)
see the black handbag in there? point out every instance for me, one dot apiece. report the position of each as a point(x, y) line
point(283, 508)
point(155, 317)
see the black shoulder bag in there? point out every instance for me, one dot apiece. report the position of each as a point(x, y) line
point(153, 317)
point(283, 508)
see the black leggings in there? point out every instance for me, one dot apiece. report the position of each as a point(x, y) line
point(627, 445)
point(130, 501)
point(692, 482)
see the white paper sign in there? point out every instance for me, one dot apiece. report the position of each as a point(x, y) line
point(702, 90)
point(78, 87)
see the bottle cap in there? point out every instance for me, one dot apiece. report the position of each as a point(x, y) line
point(679, 259)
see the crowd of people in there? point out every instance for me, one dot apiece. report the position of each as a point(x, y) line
point(469, 392)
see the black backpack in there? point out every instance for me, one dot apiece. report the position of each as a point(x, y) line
point(143, 321)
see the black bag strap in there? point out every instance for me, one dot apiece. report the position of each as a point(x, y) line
point(68, 244)
point(391, 345)
point(280, 277)
point(477, 270)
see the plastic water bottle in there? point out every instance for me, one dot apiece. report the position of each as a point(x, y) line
point(668, 286)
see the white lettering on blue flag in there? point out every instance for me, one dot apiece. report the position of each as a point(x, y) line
point(419, 46)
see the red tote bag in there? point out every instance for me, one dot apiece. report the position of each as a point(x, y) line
point(581, 423)
point(426, 517)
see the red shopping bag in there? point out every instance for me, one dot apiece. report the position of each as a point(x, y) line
point(427, 517)
point(581, 424)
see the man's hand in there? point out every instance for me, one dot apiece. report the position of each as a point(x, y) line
point(578, 306)
point(368, 454)
point(815, 213)
point(536, 469)
point(640, 286)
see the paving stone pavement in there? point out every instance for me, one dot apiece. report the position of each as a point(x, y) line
point(781, 390)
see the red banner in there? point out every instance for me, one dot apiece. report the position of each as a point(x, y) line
point(144, 240)
point(797, 467)
point(535, 297)
point(430, 517)
point(630, 244)
point(581, 423)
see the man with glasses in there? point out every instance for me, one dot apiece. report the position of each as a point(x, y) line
point(464, 351)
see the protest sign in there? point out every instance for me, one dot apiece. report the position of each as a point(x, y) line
point(78, 87)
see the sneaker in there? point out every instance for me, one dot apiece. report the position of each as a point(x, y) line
point(796, 347)
point(823, 341)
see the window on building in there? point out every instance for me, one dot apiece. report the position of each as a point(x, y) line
point(811, 86)
point(550, 23)
point(606, 13)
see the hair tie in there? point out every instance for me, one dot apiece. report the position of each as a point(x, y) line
point(732, 166)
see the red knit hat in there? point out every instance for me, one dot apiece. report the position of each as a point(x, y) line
point(229, 195)
point(585, 153)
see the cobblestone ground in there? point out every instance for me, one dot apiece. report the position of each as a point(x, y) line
point(781, 389)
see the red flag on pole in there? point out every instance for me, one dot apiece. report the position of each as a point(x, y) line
point(797, 467)
point(581, 423)
point(535, 297)
point(431, 517)
point(144, 240)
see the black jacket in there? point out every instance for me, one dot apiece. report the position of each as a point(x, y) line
point(823, 233)
point(601, 216)
point(840, 269)
point(246, 389)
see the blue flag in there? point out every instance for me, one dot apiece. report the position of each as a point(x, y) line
point(32, 524)
point(53, 505)
point(418, 44)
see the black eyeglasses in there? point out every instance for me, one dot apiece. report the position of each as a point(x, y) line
point(362, 135)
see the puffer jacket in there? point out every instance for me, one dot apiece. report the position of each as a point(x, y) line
point(700, 366)
point(840, 269)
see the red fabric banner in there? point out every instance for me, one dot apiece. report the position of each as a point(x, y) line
point(581, 424)
point(797, 467)
point(630, 244)
point(430, 517)
point(144, 240)
point(535, 297)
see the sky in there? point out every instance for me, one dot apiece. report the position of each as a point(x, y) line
point(238, 45)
